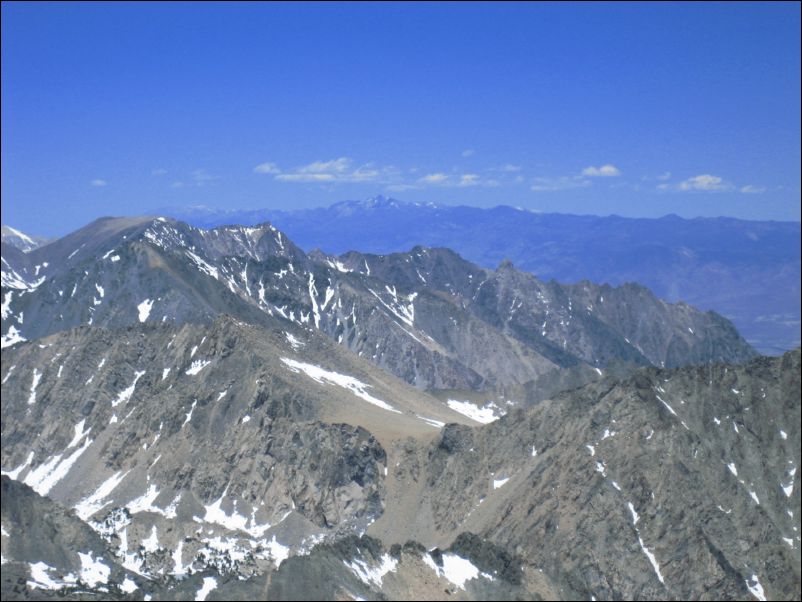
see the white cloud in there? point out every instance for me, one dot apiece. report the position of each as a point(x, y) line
point(455, 180)
point(158, 172)
point(468, 152)
point(664, 176)
point(562, 183)
point(434, 178)
point(338, 171)
point(510, 168)
point(705, 182)
point(267, 167)
point(605, 171)
point(98, 182)
point(334, 166)
point(305, 177)
point(752, 189)
point(177, 185)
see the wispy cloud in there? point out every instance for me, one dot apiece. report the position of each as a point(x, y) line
point(665, 176)
point(267, 167)
point(340, 170)
point(434, 178)
point(561, 183)
point(605, 171)
point(468, 152)
point(401, 187)
point(509, 168)
point(158, 172)
point(340, 165)
point(455, 180)
point(706, 183)
point(98, 183)
point(177, 184)
point(752, 189)
point(201, 177)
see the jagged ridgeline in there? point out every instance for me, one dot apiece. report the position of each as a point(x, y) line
point(193, 414)
point(427, 316)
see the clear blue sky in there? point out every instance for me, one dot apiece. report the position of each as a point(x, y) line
point(640, 110)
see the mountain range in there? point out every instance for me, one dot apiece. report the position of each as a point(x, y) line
point(427, 316)
point(195, 413)
point(748, 271)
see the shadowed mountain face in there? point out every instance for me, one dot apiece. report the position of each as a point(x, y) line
point(747, 271)
point(428, 316)
point(214, 413)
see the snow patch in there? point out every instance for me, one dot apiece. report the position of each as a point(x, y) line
point(80, 433)
point(323, 376)
point(372, 575)
point(11, 338)
point(41, 580)
point(144, 309)
point(92, 570)
point(128, 585)
point(432, 422)
point(197, 366)
point(788, 488)
point(635, 517)
point(98, 500)
point(670, 409)
point(126, 393)
point(485, 415)
point(151, 543)
point(652, 559)
point(189, 414)
point(209, 583)
point(8, 374)
point(234, 521)
point(753, 584)
point(46, 476)
point(37, 376)
point(278, 552)
point(295, 343)
point(455, 569)
point(13, 474)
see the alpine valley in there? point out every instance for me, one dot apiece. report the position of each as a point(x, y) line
point(195, 414)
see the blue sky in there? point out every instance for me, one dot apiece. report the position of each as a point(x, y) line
point(639, 110)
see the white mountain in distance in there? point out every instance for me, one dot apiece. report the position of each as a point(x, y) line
point(22, 241)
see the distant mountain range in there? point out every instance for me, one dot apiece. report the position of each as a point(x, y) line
point(748, 271)
point(192, 413)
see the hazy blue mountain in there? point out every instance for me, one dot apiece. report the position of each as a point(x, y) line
point(21, 240)
point(748, 271)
